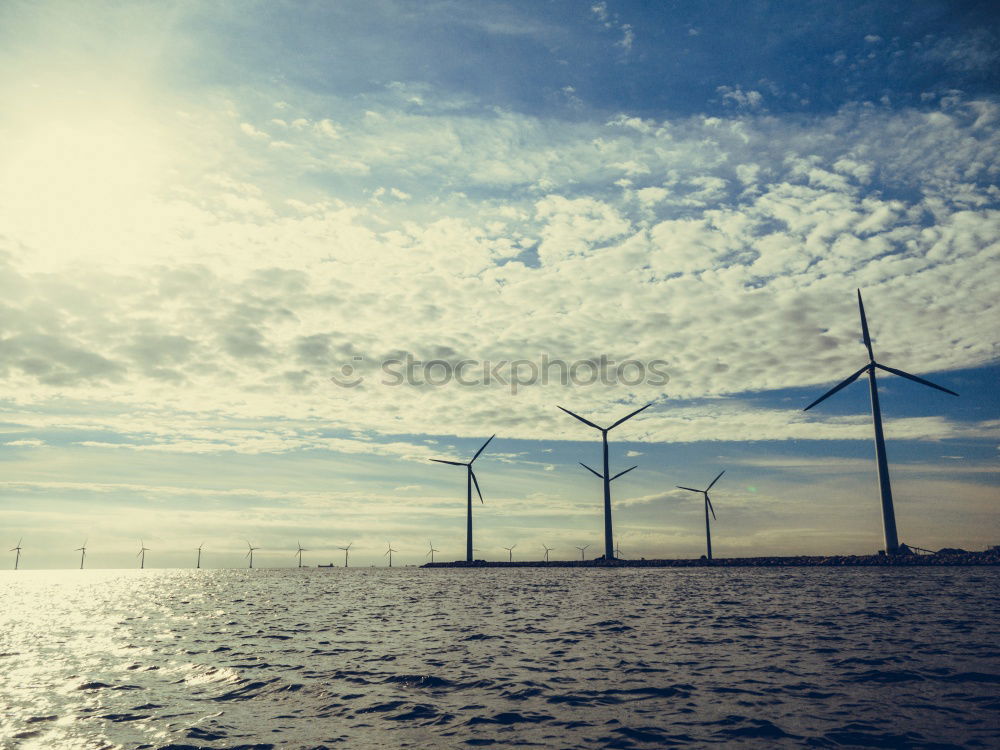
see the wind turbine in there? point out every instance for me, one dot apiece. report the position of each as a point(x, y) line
point(609, 551)
point(547, 550)
point(885, 491)
point(17, 558)
point(510, 552)
point(389, 552)
point(143, 549)
point(83, 552)
point(347, 551)
point(582, 550)
point(249, 554)
point(199, 554)
point(470, 480)
point(299, 552)
point(708, 506)
point(618, 550)
point(432, 551)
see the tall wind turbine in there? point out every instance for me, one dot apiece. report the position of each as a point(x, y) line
point(249, 554)
point(83, 552)
point(582, 550)
point(510, 552)
point(885, 491)
point(708, 506)
point(389, 552)
point(432, 551)
point(198, 565)
point(609, 547)
point(143, 549)
point(547, 551)
point(17, 558)
point(347, 551)
point(299, 552)
point(470, 480)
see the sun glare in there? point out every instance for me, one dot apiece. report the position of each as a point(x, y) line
point(79, 184)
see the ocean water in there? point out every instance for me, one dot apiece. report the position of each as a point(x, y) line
point(551, 658)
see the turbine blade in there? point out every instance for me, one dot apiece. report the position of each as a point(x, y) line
point(629, 416)
point(442, 461)
point(715, 480)
point(599, 476)
point(709, 502)
point(476, 482)
point(482, 449)
point(902, 374)
point(842, 384)
point(689, 489)
point(585, 421)
point(864, 328)
point(623, 472)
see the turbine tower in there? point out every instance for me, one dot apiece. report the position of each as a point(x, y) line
point(470, 480)
point(143, 549)
point(708, 507)
point(432, 551)
point(609, 547)
point(510, 552)
point(885, 490)
point(198, 565)
point(17, 558)
point(83, 552)
point(347, 551)
point(582, 550)
point(547, 550)
point(389, 552)
point(299, 552)
point(249, 554)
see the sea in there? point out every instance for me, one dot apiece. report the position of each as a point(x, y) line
point(523, 657)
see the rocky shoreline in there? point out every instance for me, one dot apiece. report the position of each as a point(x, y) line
point(951, 558)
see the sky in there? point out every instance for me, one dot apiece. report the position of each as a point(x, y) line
point(244, 247)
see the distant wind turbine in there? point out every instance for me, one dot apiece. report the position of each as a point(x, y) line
point(347, 551)
point(17, 558)
point(582, 549)
point(198, 565)
point(250, 550)
point(143, 549)
point(389, 552)
point(299, 552)
point(708, 506)
point(618, 550)
point(470, 480)
point(510, 552)
point(83, 552)
point(547, 551)
point(609, 547)
point(432, 551)
point(885, 491)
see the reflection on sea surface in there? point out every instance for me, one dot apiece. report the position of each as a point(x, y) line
point(549, 658)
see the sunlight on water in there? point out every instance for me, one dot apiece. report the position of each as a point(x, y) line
point(582, 658)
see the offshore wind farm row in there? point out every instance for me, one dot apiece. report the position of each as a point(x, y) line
point(612, 553)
